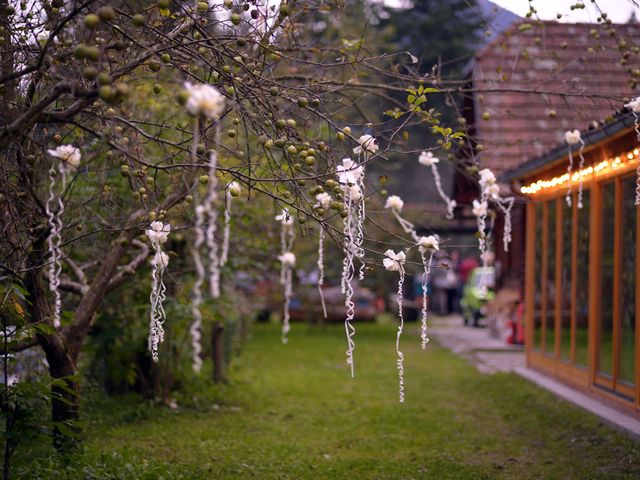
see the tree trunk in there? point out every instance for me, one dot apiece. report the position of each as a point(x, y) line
point(217, 353)
point(65, 403)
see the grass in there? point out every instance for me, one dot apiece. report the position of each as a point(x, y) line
point(293, 412)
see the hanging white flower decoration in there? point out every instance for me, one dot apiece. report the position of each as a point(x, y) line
point(69, 155)
point(288, 259)
point(204, 100)
point(395, 203)
point(634, 105)
point(480, 208)
point(487, 178)
point(349, 173)
point(393, 261)
point(323, 200)
point(428, 159)
point(428, 244)
point(158, 234)
point(285, 218)
point(367, 145)
point(572, 137)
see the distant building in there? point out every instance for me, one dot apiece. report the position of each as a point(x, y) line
point(526, 88)
point(582, 285)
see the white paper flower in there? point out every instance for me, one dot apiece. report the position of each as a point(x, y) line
point(204, 99)
point(158, 233)
point(493, 190)
point(428, 159)
point(354, 193)
point(572, 137)
point(69, 154)
point(393, 261)
point(487, 178)
point(368, 144)
point(429, 243)
point(323, 200)
point(288, 259)
point(634, 105)
point(479, 208)
point(349, 172)
point(160, 259)
point(394, 202)
point(285, 217)
point(235, 189)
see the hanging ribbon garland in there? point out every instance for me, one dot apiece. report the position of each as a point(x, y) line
point(323, 203)
point(287, 262)
point(634, 106)
point(69, 159)
point(429, 160)
point(158, 234)
point(394, 262)
point(425, 244)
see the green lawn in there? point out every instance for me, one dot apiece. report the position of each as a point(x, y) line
point(292, 412)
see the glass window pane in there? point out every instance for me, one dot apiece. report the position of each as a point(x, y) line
point(628, 285)
point(550, 333)
point(582, 282)
point(607, 218)
point(565, 278)
point(537, 292)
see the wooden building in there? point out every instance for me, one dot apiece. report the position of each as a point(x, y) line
point(526, 89)
point(582, 264)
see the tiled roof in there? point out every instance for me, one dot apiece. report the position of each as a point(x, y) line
point(558, 62)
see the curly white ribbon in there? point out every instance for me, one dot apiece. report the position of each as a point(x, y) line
point(400, 361)
point(451, 204)
point(210, 233)
point(321, 269)
point(196, 326)
point(157, 297)
point(288, 293)
point(348, 272)
point(409, 228)
point(54, 241)
point(580, 167)
point(227, 229)
point(424, 337)
point(637, 129)
point(506, 204)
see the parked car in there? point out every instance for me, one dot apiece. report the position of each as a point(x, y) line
point(477, 291)
point(307, 306)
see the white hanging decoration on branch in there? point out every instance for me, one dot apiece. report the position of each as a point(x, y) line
point(350, 175)
point(196, 300)
point(491, 191)
point(204, 100)
point(287, 262)
point(573, 138)
point(323, 201)
point(69, 157)
point(480, 210)
point(634, 105)
point(233, 190)
point(158, 234)
point(394, 262)
point(429, 160)
point(425, 245)
point(367, 146)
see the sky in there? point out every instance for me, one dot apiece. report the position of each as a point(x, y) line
point(618, 10)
